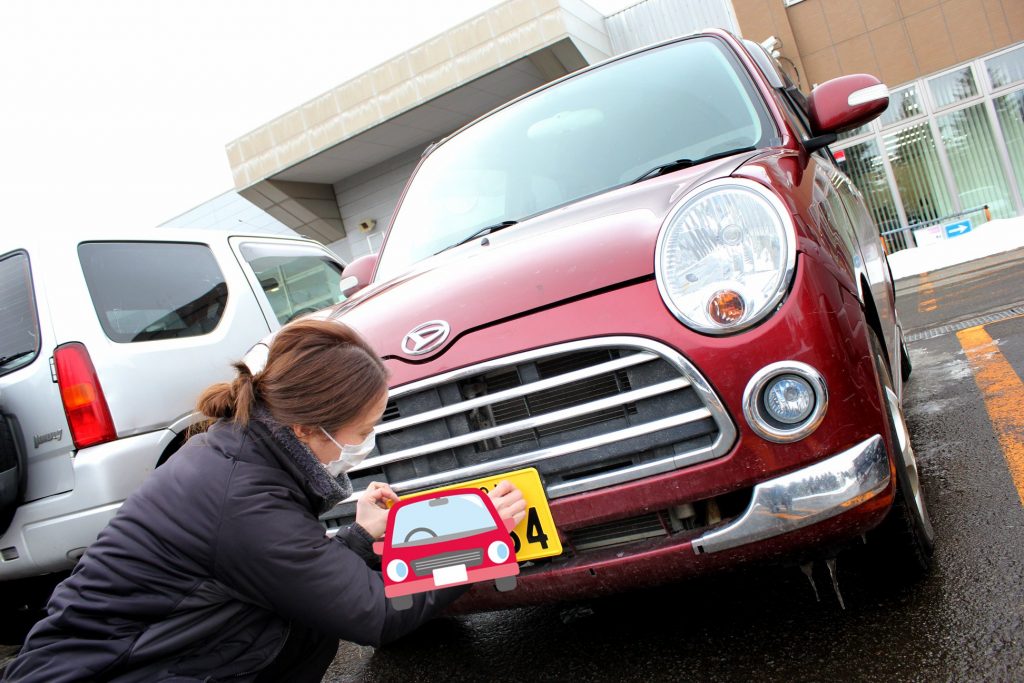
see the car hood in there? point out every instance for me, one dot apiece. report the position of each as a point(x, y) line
point(572, 251)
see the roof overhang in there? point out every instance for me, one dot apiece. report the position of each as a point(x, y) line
point(289, 166)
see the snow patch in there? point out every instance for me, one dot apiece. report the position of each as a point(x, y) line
point(994, 237)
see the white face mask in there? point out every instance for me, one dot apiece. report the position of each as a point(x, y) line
point(349, 456)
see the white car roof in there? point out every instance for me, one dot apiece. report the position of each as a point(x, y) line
point(24, 239)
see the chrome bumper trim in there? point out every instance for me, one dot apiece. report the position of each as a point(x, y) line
point(809, 495)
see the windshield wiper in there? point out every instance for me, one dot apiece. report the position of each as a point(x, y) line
point(4, 360)
point(686, 163)
point(481, 232)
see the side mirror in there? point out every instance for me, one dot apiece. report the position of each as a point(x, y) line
point(357, 274)
point(378, 547)
point(843, 104)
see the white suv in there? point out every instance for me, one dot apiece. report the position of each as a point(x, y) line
point(105, 344)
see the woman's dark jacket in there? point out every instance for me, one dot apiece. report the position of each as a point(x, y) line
point(203, 569)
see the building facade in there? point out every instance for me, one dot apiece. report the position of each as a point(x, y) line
point(334, 168)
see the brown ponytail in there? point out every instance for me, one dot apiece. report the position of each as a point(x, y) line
point(319, 373)
point(230, 399)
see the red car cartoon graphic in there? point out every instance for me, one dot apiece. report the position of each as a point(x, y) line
point(445, 538)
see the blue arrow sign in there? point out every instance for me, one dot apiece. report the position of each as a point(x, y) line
point(958, 228)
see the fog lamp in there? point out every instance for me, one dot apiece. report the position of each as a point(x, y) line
point(789, 399)
point(785, 401)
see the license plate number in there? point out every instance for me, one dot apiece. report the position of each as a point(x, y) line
point(534, 537)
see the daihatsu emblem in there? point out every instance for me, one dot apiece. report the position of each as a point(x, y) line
point(426, 337)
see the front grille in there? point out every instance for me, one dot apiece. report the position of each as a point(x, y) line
point(427, 565)
point(586, 414)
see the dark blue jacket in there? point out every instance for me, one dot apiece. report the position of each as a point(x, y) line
point(203, 569)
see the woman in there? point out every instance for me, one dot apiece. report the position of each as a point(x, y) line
point(217, 566)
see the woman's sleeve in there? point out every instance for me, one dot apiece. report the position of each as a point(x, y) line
point(358, 540)
point(277, 554)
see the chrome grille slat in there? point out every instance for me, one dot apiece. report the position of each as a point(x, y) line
point(515, 462)
point(530, 423)
point(516, 392)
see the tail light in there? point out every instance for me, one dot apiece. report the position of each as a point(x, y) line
point(82, 395)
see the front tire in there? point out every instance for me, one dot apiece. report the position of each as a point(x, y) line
point(906, 534)
point(905, 365)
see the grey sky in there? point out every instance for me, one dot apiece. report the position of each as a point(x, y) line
point(116, 112)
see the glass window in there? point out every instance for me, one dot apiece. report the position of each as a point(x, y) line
point(297, 280)
point(903, 104)
point(863, 164)
point(19, 328)
point(441, 519)
point(866, 128)
point(1006, 68)
point(971, 149)
point(953, 87)
point(144, 291)
point(915, 166)
point(601, 129)
point(1010, 111)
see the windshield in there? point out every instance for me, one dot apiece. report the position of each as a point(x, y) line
point(588, 134)
point(441, 519)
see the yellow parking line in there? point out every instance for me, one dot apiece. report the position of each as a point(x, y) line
point(1003, 393)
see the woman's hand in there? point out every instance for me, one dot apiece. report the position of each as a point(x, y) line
point(508, 501)
point(372, 508)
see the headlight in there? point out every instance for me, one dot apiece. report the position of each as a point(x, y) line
point(397, 570)
point(725, 256)
point(498, 552)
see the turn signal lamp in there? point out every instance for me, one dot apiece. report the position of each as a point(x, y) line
point(80, 391)
point(726, 307)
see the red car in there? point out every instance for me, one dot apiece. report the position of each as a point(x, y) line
point(650, 281)
point(445, 539)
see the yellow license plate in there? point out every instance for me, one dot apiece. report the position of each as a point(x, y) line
point(535, 536)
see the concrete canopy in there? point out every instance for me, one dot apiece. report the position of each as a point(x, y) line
point(291, 166)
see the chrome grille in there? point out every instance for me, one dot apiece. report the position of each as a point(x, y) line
point(427, 565)
point(586, 414)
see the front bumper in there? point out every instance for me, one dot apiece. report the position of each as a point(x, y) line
point(809, 495)
point(806, 512)
point(50, 534)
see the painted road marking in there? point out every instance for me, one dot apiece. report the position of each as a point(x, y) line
point(927, 305)
point(1003, 393)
